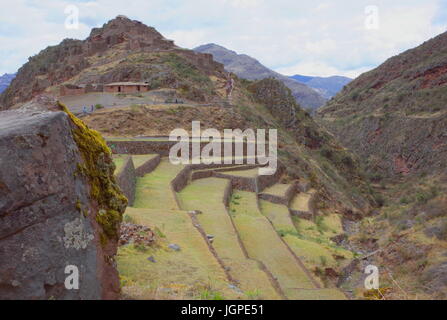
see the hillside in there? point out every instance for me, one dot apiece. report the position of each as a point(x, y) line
point(328, 87)
point(122, 50)
point(249, 68)
point(395, 119)
point(395, 116)
point(5, 80)
point(192, 231)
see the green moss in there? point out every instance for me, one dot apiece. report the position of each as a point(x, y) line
point(78, 205)
point(98, 168)
point(109, 220)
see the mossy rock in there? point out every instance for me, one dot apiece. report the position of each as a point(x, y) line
point(98, 168)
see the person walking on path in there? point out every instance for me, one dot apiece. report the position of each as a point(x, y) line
point(229, 87)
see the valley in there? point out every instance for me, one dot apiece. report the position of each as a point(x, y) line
point(359, 180)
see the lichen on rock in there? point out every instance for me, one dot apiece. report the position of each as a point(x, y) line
point(76, 236)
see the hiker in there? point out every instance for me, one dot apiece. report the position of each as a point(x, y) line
point(84, 109)
point(92, 109)
point(229, 86)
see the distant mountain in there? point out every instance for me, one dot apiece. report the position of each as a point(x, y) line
point(328, 87)
point(5, 80)
point(249, 68)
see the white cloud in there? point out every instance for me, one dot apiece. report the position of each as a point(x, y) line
point(319, 38)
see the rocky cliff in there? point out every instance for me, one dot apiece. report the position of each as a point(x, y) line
point(59, 206)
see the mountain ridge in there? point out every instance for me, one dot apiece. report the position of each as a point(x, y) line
point(249, 68)
point(5, 81)
point(327, 86)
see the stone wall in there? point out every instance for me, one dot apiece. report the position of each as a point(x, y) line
point(285, 199)
point(227, 194)
point(267, 181)
point(148, 166)
point(161, 147)
point(182, 178)
point(127, 179)
point(310, 214)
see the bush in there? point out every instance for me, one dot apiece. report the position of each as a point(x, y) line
point(404, 200)
point(98, 106)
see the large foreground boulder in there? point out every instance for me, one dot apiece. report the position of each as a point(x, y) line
point(59, 207)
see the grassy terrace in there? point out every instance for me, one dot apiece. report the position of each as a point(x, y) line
point(278, 189)
point(313, 240)
point(206, 195)
point(262, 243)
point(191, 273)
point(301, 201)
point(139, 160)
point(153, 190)
point(309, 241)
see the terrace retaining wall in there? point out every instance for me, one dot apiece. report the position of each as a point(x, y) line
point(308, 215)
point(227, 194)
point(126, 180)
point(284, 200)
point(267, 181)
point(160, 147)
point(148, 166)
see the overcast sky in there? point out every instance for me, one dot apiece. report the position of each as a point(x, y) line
point(318, 38)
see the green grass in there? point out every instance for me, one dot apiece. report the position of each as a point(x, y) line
point(278, 215)
point(153, 190)
point(264, 244)
point(313, 243)
point(183, 274)
point(304, 239)
point(206, 195)
point(301, 201)
point(119, 160)
point(139, 160)
point(278, 189)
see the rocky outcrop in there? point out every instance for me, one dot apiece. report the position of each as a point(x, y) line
point(59, 207)
point(124, 50)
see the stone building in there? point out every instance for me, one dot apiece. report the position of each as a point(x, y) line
point(126, 87)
